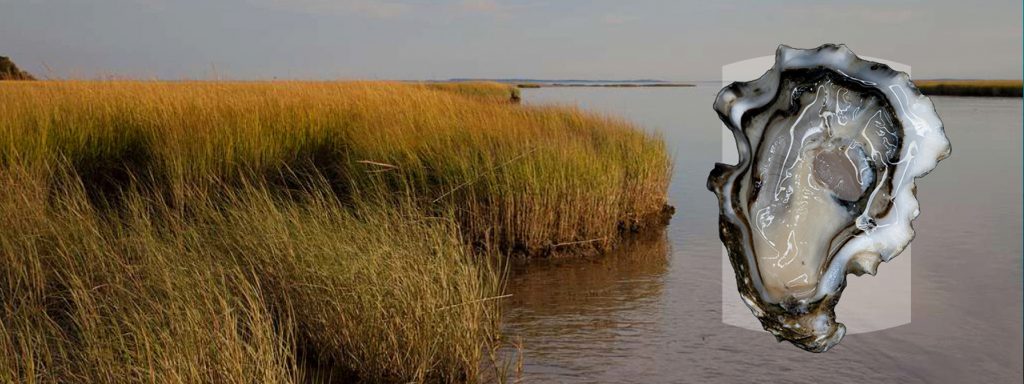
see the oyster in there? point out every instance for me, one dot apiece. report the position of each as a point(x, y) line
point(829, 146)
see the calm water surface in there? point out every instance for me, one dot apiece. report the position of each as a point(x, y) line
point(652, 313)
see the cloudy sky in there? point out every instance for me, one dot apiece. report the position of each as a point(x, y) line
point(439, 39)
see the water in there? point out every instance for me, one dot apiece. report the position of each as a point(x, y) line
point(653, 312)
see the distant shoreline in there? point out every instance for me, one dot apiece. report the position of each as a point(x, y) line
point(608, 85)
point(544, 83)
point(978, 88)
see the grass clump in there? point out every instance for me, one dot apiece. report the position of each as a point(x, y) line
point(480, 90)
point(240, 287)
point(375, 293)
point(87, 299)
point(289, 231)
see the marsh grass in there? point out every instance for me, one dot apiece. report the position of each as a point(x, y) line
point(87, 299)
point(241, 287)
point(480, 90)
point(289, 231)
point(518, 178)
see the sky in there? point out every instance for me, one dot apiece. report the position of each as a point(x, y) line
point(543, 39)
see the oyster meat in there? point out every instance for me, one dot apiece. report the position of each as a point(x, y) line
point(829, 146)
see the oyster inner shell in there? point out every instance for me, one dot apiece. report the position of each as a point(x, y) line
point(819, 175)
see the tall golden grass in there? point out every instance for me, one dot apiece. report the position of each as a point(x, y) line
point(289, 231)
point(234, 287)
point(480, 90)
point(521, 178)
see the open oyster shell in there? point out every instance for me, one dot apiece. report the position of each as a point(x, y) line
point(829, 147)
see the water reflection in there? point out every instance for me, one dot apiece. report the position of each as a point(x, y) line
point(589, 305)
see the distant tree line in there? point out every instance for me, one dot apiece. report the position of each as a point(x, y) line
point(9, 71)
